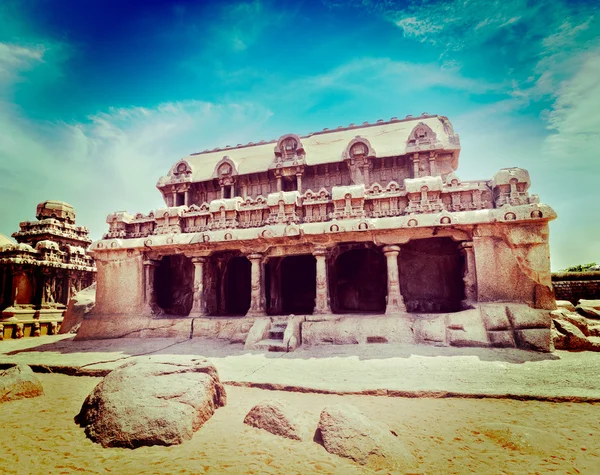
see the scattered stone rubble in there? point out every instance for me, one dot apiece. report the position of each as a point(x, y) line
point(275, 417)
point(576, 328)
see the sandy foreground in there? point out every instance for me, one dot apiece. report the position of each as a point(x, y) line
point(446, 435)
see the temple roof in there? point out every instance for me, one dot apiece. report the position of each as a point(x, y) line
point(386, 138)
point(4, 240)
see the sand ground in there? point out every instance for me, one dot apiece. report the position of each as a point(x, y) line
point(453, 435)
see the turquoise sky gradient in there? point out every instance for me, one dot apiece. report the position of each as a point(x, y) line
point(99, 98)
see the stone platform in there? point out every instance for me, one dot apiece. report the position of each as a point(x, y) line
point(373, 369)
point(499, 325)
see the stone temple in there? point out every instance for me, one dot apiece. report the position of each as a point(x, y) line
point(40, 273)
point(361, 234)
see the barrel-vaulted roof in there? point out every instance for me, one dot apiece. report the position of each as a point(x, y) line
point(392, 138)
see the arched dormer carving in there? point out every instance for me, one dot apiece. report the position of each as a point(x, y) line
point(181, 171)
point(357, 156)
point(289, 148)
point(422, 134)
point(226, 172)
point(358, 148)
point(225, 168)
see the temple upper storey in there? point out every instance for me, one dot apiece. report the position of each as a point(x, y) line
point(354, 155)
point(387, 170)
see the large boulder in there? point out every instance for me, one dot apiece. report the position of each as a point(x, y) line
point(595, 304)
point(275, 417)
point(566, 305)
point(152, 401)
point(345, 432)
point(19, 382)
point(79, 306)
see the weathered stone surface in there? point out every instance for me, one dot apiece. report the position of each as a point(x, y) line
point(495, 317)
point(589, 312)
point(573, 318)
point(292, 337)
point(152, 402)
point(358, 329)
point(595, 304)
point(573, 339)
point(430, 330)
point(346, 432)
point(466, 329)
point(258, 332)
point(79, 306)
point(19, 382)
point(522, 316)
point(502, 338)
point(566, 305)
point(536, 339)
point(275, 417)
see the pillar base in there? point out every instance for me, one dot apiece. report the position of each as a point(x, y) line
point(256, 313)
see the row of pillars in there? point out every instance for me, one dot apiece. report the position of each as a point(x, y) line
point(395, 302)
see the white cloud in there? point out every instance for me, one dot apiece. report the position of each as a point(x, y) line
point(113, 160)
point(15, 59)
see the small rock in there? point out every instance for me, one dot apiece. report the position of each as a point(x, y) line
point(346, 432)
point(155, 401)
point(275, 417)
point(19, 382)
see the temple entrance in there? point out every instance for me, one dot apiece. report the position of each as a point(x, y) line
point(291, 285)
point(237, 286)
point(431, 275)
point(298, 284)
point(174, 285)
point(360, 282)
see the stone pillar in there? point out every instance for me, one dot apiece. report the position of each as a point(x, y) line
point(299, 182)
point(322, 301)
point(432, 166)
point(395, 302)
point(257, 286)
point(366, 173)
point(186, 197)
point(279, 188)
point(150, 305)
point(199, 308)
point(416, 165)
point(174, 192)
point(469, 273)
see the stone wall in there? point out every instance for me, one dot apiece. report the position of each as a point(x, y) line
point(573, 286)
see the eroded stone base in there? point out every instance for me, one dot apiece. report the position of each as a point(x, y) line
point(487, 325)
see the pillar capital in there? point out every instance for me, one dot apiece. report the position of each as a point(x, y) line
point(151, 262)
point(466, 245)
point(389, 249)
point(320, 251)
point(255, 256)
point(198, 259)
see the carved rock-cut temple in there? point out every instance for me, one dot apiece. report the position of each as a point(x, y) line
point(38, 274)
point(362, 234)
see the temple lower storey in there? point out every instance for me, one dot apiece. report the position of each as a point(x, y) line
point(41, 271)
point(392, 248)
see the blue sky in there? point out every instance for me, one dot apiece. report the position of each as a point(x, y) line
point(98, 98)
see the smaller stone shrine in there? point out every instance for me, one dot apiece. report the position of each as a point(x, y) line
point(39, 274)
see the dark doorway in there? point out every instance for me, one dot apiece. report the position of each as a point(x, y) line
point(360, 282)
point(431, 275)
point(237, 286)
point(298, 284)
point(174, 285)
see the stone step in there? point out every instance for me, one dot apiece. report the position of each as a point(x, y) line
point(276, 334)
point(271, 345)
point(278, 326)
